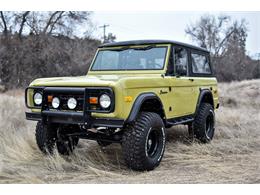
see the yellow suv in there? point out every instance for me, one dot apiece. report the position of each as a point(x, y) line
point(131, 93)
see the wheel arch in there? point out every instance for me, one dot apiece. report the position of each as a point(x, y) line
point(143, 102)
point(205, 96)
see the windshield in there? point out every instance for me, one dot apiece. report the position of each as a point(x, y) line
point(140, 58)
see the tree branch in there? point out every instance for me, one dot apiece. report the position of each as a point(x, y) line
point(23, 23)
point(223, 41)
point(49, 22)
point(4, 22)
point(55, 22)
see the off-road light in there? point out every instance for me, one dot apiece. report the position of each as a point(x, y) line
point(105, 101)
point(37, 98)
point(55, 102)
point(72, 103)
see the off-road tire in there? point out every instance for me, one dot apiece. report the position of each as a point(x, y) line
point(45, 137)
point(47, 140)
point(204, 123)
point(135, 143)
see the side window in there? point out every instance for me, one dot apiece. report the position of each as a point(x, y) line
point(200, 64)
point(181, 61)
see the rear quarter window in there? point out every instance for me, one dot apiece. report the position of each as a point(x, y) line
point(200, 64)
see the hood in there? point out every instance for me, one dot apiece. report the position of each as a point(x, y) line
point(125, 80)
point(102, 80)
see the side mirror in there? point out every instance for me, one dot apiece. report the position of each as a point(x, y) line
point(181, 70)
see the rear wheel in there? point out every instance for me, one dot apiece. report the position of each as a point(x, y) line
point(204, 123)
point(143, 142)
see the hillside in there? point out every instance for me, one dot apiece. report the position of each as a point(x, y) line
point(232, 157)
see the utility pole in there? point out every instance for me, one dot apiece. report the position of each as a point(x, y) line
point(258, 67)
point(104, 31)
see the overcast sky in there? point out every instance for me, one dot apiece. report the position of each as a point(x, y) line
point(168, 25)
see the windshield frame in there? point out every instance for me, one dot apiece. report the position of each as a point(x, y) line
point(167, 46)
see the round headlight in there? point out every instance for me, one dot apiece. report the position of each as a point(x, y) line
point(37, 98)
point(55, 102)
point(72, 103)
point(105, 101)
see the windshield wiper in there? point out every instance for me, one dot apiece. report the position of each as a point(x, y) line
point(137, 48)
point(144, 48)
point(120, 49)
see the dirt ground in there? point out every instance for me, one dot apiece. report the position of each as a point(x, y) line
point(232, 157)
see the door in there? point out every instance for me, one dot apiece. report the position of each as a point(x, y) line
point(181, 98)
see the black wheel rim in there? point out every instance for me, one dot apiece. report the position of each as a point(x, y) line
point(152, 143)
point(210, 125)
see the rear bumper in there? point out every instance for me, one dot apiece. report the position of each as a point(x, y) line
point(74, 118)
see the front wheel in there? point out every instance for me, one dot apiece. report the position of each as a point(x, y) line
point(143, 142)
point(46, 136)
point(49, 136)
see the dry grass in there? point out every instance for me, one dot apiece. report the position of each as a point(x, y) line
point(232, 157)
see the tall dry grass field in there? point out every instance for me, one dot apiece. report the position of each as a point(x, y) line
point(232, 157)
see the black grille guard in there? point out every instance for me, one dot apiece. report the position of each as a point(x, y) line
point(72, 117)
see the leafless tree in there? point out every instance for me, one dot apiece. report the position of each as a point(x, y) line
point(6, 23)
point(110, 38)
point(58, 22)
point(3, 23)
point(226, 40)
point(64, 23)
point(42, 44)
point(20, 20)
point(213, 33)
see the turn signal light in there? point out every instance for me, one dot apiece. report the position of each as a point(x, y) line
point(128, 98)
point(50, 97)
point(93, 100)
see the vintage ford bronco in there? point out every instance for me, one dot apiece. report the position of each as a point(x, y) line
point(131, 93)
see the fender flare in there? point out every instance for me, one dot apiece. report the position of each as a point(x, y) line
point(138, 103)
point(203, 93)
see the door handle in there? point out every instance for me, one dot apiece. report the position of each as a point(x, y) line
point(191, 80)
point(163, 92)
